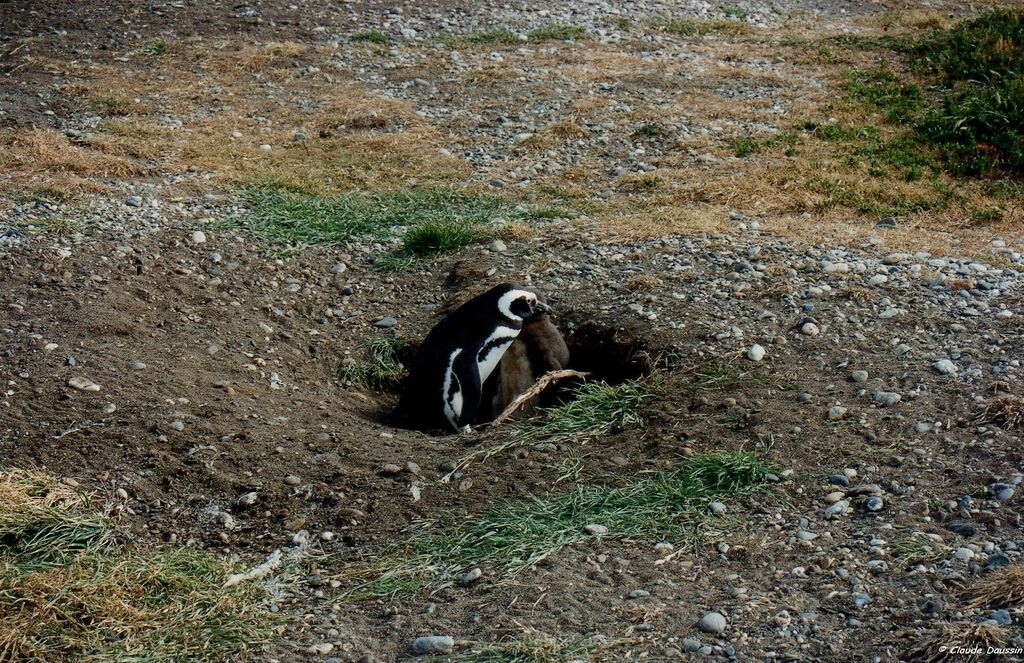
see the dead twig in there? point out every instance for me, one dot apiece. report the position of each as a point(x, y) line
point(539, 386)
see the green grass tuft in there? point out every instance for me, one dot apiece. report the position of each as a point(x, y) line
point(735, 12)
point(882, 90)
point(369, 37)
point(379, 369)
point(648, 130)
point(513, 536)
point(440, 236)
point(152, 49)
point(593, 409)
point(745, 145)
point(917, 549)
point(722, 375)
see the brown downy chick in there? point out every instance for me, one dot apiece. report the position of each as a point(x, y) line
point(539, 348)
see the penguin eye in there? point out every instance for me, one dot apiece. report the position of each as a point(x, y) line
point(521, 307)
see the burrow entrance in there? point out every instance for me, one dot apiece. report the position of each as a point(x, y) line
point(607, 353)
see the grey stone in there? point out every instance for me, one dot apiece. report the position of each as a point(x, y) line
point(712, 622)
point(433, 644)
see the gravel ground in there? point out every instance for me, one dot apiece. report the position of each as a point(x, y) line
point(185, 370)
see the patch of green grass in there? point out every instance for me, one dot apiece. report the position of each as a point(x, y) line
point(536, 648)
point(513, 536)
point(61, 226)
point(904, 156)
point(152, 49)
point(440, 236)
point(380, 367)
point(593, 409)
point(69, 592)
point(434, 219)
point(557, 32)
point(987, 215)
point(899, 100)
point(745, 146)
point(723, 375)
point(881, 200)
point(394, 263)
point(369, 37)
point(973, 111)
point(44, 194)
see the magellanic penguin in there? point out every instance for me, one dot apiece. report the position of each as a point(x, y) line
point(445, 382)
point(539, 348)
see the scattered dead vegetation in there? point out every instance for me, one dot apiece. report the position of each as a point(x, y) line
point(1006, 411)
point(934, 646)
point(68, 591)
point(1003, 588)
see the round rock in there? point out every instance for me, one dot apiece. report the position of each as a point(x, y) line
point(712, 622)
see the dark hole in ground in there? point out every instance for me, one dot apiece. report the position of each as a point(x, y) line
point(609, 354)
point(613, 355)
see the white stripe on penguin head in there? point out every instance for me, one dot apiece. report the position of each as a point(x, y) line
point(505, 303)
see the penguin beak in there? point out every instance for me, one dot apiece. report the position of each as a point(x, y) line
point(541, 307)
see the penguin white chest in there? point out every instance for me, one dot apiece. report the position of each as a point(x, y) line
point(493, 348)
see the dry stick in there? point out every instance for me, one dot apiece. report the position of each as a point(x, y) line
point(540, 385)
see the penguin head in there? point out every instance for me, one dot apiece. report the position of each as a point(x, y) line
point(520, 304)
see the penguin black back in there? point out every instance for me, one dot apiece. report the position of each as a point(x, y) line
point(483, 326)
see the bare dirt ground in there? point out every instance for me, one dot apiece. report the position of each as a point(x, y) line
point(127, 258)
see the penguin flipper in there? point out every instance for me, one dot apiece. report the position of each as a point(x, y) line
point(465, 369)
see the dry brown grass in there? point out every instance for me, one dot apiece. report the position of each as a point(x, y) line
point(325, 135)
point(1003, 588)
point(26, 152)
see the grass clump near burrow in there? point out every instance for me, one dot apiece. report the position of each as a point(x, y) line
point(70, 592)
point(514, 535)
point(590, 410)
point(380, 367)
point(429, 220)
